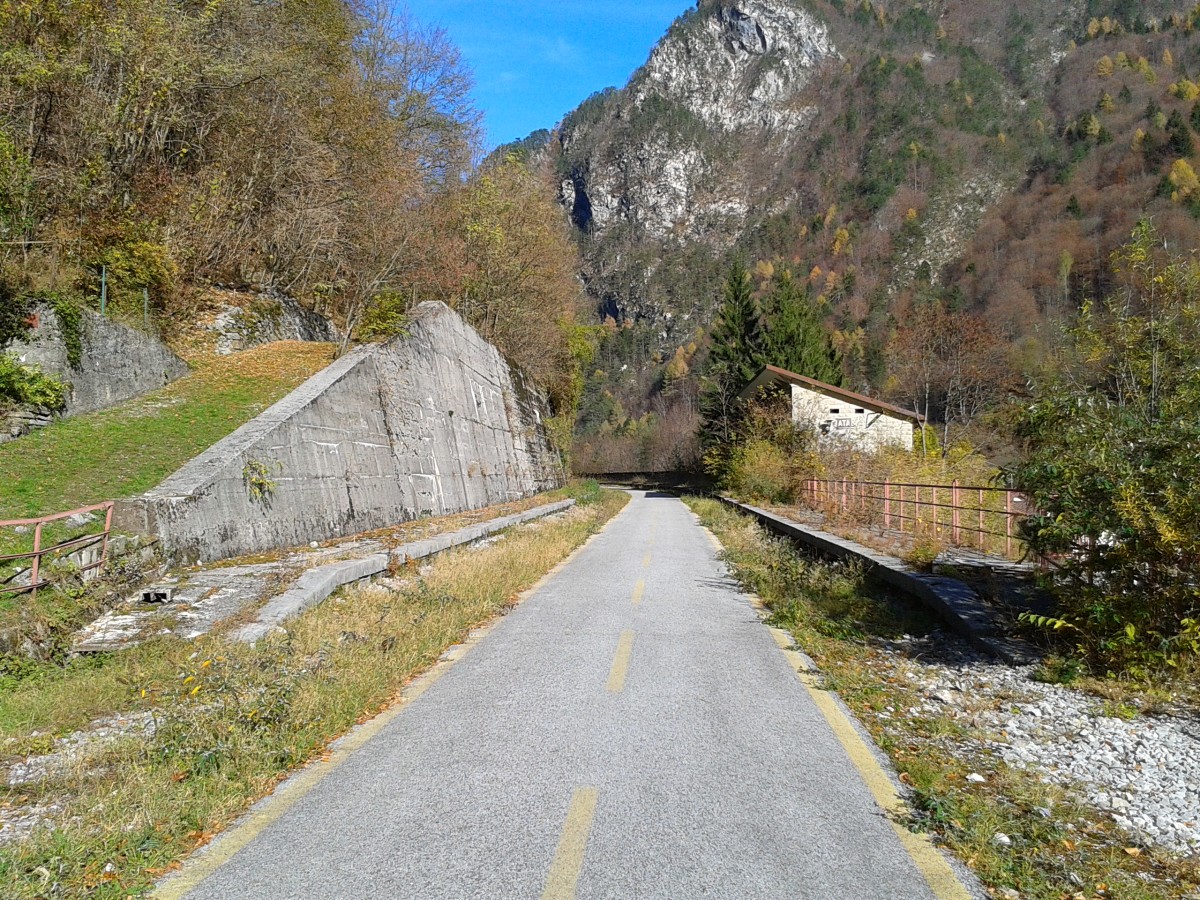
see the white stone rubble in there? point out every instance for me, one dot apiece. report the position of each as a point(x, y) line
point(1142, 769)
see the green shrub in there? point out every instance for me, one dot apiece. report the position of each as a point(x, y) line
point(69, 311)
point(14, 310)
point(922, 554)
point(385, 317)
point(1112, 468)
point(585, 491)
point(132, 265)
point(29, 386)
point(761, 470)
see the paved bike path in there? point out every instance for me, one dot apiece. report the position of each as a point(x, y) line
point(630, 731)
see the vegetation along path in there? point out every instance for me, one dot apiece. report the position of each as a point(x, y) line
point(631, 730)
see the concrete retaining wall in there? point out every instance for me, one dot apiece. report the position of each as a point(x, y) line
point(118, 363)
point(432, 423)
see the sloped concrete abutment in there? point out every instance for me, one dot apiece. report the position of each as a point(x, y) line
point(430, 423)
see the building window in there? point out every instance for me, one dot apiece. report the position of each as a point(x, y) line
point(835, 411)
point(860, 411)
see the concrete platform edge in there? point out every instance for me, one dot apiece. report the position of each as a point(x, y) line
point(951, 599)
point(319, 583)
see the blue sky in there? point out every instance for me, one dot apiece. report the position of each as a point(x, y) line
point(535, 60)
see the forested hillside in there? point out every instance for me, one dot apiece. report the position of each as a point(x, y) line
point(324, 149)
point(948, 181)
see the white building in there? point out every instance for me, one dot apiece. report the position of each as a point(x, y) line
point(838, 414)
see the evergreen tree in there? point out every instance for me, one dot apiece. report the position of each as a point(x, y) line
point(737, 338)
point(796, 340)
point(1179, 136)
point(735, 359)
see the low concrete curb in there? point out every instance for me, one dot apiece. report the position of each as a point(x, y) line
point(950, 598)
point(319, 583)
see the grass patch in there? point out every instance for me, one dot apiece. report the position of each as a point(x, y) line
point(231, 720)
point(129, 449)
point(1071, 852)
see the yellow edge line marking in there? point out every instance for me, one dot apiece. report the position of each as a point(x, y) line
point(204, 863)
point(620, 666)
point(639, 590)
point(936, 871)
point(568, 858)
point(646, 561)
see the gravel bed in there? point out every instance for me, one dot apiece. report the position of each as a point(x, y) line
point(1142, 770)
point(18, 819)
point(76, 746)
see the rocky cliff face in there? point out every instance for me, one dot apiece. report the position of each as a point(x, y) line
point(660, 159)
point(739, 66)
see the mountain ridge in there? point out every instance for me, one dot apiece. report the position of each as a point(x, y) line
point(984, 157)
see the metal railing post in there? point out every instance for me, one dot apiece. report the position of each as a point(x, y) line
point(887, 503)
point(955, 506)
point(1008, 522)
point(981, 523)
point(107, 531)
point(37, 559)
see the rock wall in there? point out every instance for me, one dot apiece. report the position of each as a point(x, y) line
point(269, 317)
point(431, 423)
point(696, 147)
point(117, 364)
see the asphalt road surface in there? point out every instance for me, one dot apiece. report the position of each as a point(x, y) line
point(631, 730)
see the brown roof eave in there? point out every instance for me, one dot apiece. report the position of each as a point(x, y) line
point(774, 374)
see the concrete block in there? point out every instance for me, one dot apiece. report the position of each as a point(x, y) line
point(319, 583)
point(310, 589)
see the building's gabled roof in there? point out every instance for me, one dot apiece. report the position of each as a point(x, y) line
point(775, 375)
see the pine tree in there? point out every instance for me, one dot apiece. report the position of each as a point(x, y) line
point(737, 338)
point(796, 340)
point(1180, 137)
point(735, 359)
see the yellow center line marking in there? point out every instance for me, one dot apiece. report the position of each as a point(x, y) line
point(638, 590)
point(620, 666)
point(646, 561)
point(568, 858)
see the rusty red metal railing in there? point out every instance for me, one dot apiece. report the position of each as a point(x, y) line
point(75, 544)
point(983, 518)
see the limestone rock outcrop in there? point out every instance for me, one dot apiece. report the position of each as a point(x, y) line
point(692, 147)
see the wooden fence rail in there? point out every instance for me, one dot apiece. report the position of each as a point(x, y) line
point(984, 518)
point(75, 544)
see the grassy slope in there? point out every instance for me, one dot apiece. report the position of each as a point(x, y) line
point(130, 448)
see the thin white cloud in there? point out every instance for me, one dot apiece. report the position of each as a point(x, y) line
point(560, 52)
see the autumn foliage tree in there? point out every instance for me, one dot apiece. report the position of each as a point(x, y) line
point(950, 366)
point(280, 144)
